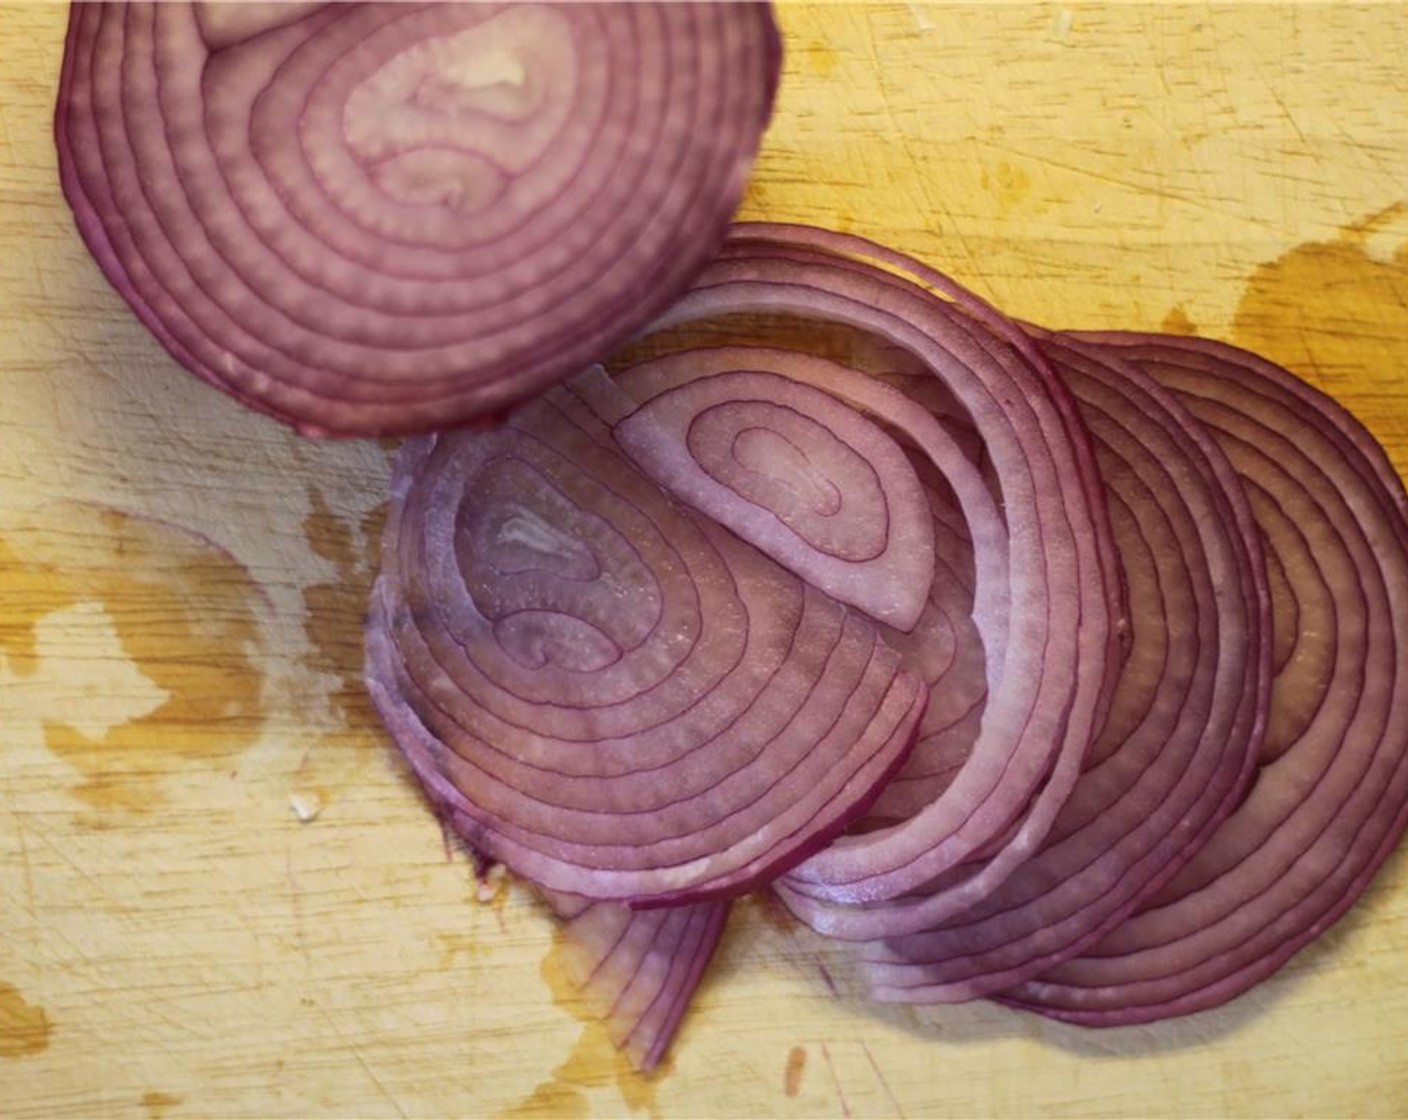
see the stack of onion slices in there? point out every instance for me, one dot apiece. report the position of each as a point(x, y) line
point(384, 218)
point(1064, 669)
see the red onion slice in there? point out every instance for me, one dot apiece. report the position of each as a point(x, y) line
point(943, 645)
point(1329, 804)
point(602, 691)
point(386, 218)
point(1051, 618)
point(795, 472)
point(637, 970)
point(946, 649)
point(1186, 718)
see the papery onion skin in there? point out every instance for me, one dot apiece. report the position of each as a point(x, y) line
point(1331, 800)
point(385, 219)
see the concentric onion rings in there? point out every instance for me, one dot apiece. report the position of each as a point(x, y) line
point(1330, 800)
point(387, 218)
point(1187, 716)
point(612, 697)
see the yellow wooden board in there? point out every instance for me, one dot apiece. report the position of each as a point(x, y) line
point(218, 895)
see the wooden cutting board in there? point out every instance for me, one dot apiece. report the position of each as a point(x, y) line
point(217, 894)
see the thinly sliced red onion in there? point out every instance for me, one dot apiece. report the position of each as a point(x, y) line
point(608, 694)
point(796, 472)
point(637, 970)
point(1187, 715)
point(1048, 617)
point(946, 649)
point(844, 363)
point(1331, 797)
point(620, 640)
point(385, 218)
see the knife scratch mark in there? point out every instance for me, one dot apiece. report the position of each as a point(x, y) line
point(25, 863)
point(366, 1066)
point(89, 879)
point(836, 1081)
point(296, 904)
point(884, 1084)
point(1285, 110)
point(1150, 189)
point(53, 932)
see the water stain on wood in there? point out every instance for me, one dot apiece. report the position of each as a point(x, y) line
point(337, 606)
point(792, 1072)
point(550, 1099)
point(593, 1063)
point(24, 1027)
point(1008, 184)
point(818, 59)
point(1177, 322)
point(457, 948)
point(334, 610)
point(158, 1104)
point(1332, 310)
point(185, 616)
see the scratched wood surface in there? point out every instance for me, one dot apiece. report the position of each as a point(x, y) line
point(218, 896)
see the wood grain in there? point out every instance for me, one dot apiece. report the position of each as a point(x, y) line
point(219, 896)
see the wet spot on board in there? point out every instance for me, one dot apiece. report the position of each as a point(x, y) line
point(1332, 310)
point(593, 1063)
point(157, 1104)
point(792, 1073)
point(336, 606)
point(24, 1027)
point(1009, 185)
point(334, 611)
point(150, 635)
point(818, 59)
point(552, 1099)
point(1177, 322)
point(458, 948)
